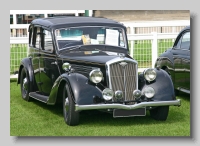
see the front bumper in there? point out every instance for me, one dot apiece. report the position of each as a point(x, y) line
point(128, 107)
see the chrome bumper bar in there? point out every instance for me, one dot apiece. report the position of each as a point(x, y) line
point(127, 107)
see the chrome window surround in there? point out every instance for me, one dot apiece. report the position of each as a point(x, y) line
point(123, 32)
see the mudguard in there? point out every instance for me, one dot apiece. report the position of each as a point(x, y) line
point(82, 92)
point(163, 86)
point(165, 60)
point(26, 64)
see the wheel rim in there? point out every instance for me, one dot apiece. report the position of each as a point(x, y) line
point(25, 86)
point(65, 105)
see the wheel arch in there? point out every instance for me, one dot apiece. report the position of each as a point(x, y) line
point(56, 92)
point(164, 92)
point(26, 64)
point(19, 73)
point(82, 92)
point(61, 85)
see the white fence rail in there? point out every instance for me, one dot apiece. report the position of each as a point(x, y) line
point(145, 47)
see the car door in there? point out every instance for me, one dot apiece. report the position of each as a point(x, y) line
point(181, 54)
point(35, 46)
point(185, 45)
point(48, 67)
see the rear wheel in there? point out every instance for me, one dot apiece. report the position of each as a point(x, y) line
point(25, 85)
point(71, 117)
point(160, 113)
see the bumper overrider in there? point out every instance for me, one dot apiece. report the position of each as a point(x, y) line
point(128, 107)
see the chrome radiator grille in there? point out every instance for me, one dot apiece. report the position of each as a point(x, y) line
point(124, 77)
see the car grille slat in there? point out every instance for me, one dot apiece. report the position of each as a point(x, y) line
point(124, 79)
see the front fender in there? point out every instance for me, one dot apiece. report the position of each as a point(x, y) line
point(82, 91)
point(163, 86)
point(166, 61)
point(26, 64)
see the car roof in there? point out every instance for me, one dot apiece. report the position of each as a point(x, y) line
point(63, 21)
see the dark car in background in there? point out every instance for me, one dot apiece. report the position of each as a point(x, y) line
point(84, 63)
point(176, 61)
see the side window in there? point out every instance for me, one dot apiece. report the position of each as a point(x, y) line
point(185, 44)
point(31, 36)
point(122, 44)
point(38, 38)
point(184, 41)
point(178, 46)
point(48, 45)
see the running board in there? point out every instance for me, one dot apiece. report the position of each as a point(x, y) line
point(39, 97)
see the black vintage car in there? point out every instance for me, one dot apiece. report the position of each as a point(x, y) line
point(84, 63)
point(176, 61)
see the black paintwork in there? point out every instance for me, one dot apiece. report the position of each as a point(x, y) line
point(61, 22)
point(177, 62)
point(26, 63)
point(48, 78)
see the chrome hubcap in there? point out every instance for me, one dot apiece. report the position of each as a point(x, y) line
point(66, 104)
point(25, 84)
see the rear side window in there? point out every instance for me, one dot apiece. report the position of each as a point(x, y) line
point(48, 44)
point(31, 36)
point(36, 38)
point(184, 41)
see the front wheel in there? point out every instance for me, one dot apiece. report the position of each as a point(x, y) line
point(160, 113)
point(71, 117)
point(25, 85)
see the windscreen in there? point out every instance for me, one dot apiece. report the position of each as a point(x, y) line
point(73, 36)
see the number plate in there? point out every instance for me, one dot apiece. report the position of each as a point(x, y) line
point(129, 113)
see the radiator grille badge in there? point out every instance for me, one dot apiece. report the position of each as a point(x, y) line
point(123, 63)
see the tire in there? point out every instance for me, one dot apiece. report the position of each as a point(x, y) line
point(25, 85)
point(160, 113)
point(71, 117)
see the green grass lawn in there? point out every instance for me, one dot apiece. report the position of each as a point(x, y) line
point(38, 119)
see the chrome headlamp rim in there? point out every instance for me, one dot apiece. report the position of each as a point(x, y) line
point(118, 95)
point(66, 66)
point(150, 74)
point(137, 93)
point(92, 76)
point(145, 91)
point(107, 94)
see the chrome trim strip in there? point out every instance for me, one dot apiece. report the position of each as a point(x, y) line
point(127, 107)
point(183, 90)
point(124, 82)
